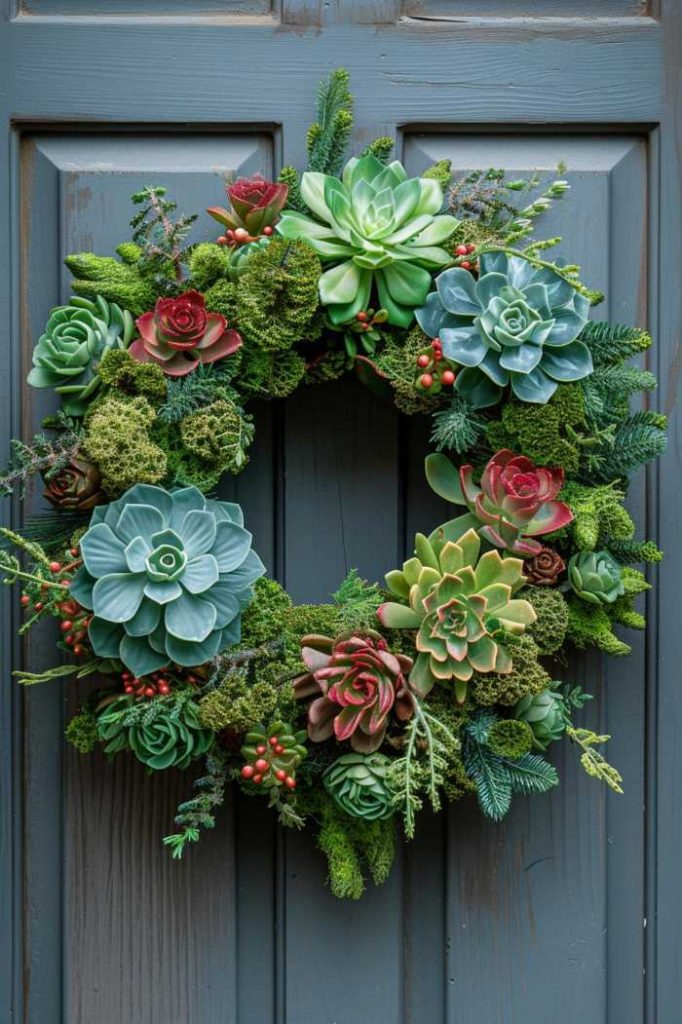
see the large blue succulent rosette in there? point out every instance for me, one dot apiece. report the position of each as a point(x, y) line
point(166, 575)
point(516, 326)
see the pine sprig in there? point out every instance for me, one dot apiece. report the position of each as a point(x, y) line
point(328, 136)
point(611, 344)
point(198, 812)
point(160, 236)
point(457, 427)
point(43, 455)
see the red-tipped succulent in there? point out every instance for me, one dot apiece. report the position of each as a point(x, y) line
point(356, 682)
point(515, 501)
point(255, 207)
point(181, 333)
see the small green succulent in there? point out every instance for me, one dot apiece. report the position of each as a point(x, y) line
point(357, 782)
point(169, 738)
point(461, 605)
point(76, 338)
point(545, 713)
point(517, 325)
point(167, 576)
point(596, 577)
point(376, 226)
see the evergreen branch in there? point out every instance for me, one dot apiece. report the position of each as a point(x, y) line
point(197, 813)
point(613, 343)
point(594, 763)
point(328, 136)
point(43, 455)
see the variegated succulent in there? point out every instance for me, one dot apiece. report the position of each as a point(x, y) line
point(461, 606)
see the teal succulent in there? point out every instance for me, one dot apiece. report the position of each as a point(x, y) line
point(545, 713)
point(596, 577)
point(241, 254)
point(377, 227)
point(70, 350)
point(170, 737)
point(358, 784)
point(167, 576)
point(517, 325)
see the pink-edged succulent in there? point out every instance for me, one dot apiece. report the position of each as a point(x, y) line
point(356, 682)
point(181, 333)
point(514, 503)
point(255, 206)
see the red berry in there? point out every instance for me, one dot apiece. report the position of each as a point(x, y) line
point(465, 265)
point(267, 230)
point(66, 625)
point(462, 250)
point(290, 782)
point(423, 361)
point(279, 749)
point(77, 650)
point(68, 639)
point(248, 771)
point(262, 765)
point(222, 240)
point(74, 552)
point(164, 689)
point(149, 691)
point(280, 774)
point(426, 380)
point(447, 378)
point(55, 567)
point(38, 606)
point(361, 316)
point(273, 741)
point(128, 688)
point(241, 235)
point(436, 343)
point(261, 748)
point(24, 600)
point(258, 779)
point(471, 248)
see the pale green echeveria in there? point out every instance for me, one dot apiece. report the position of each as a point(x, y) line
point(167, 575)
point(70, 350)
point(516, 325)
point(379, 228)
point(596, 577)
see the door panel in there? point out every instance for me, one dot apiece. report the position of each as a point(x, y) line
point(538, 920)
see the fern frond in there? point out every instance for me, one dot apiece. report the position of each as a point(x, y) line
point(613, 343)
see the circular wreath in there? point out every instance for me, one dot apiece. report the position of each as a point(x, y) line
point(440, 683)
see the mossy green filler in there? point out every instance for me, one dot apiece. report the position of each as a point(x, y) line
point(445, 681)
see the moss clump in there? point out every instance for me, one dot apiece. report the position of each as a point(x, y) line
point(398, 362)
point(545, 433)
point(118, 441)
point(327, 366)
point(265, 618)
point(115, 281)
point(599, 516)
point(278, 296)
point(219, 435)
point(456, 782)
point(81, 731)
point(352, 846)
point(549, 629)
point(121, 371)
point(441, 172)
point(236, 705)
point(130, 252)
point(270, 374)
point(589, 625)
point(208, 263)
point(526, 677)
point(509, 737)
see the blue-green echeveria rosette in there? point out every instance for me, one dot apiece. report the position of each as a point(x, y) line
point(517, 325)
point(376, 227)
point(75, 339)
point(167, 575)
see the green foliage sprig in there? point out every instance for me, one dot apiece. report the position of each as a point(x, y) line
point(160, 237)
point(198, 812)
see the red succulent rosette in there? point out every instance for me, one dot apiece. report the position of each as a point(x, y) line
point(545, 568)
point(516, 501)
point(181, 333)
point(356, 681)
point(256, 205)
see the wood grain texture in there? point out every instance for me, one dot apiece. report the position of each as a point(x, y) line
point(454, 9)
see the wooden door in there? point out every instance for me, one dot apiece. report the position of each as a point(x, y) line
point(568, 912)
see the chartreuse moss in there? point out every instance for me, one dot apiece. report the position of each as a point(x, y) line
point(526, 677)
point(117, 439)
point(545, 433)
point(81, 731)
point(549, 629)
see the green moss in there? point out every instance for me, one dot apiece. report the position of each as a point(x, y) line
point(222, 298)
point(265, 618)
point(549, 629)
point(398, 362)
point(113, 280)
point(270, 374)
point(542, 432)
point(118, 440)
point(441, 171)
point(119, 370)
point(590, 626)
point(599, 516)
point(330, 365)
point(278, 296)
point(313, 618)
point(208, 263)
point(219, 435)
point(352, 846)
point(375, 841)
point(509, 737)
point(237, 705)
point(526, 677)
point(81, 731)
point(130, 252)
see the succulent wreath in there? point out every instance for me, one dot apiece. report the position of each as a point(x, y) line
point(441, 683)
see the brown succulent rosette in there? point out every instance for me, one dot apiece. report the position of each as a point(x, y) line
point(545, 568)
point(76, 487)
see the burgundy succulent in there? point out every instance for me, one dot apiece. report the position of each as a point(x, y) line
point(357, 682)
point(545, 568)
point(256, 205)
point(76, 487)
point(181, 333)
point(515, 501)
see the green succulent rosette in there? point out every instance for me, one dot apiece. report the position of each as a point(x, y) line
point(596, 577)
point(357, 782)
point(70, 350)
point(516, 325)
point(545, 713)
point(378, 228)
point(169, 740)
point(166, 575)
point(240, 256)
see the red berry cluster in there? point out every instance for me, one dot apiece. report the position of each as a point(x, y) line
point(240, 236)
point(74, 618)
point(157, 684)
point(438, 370)
point(466, 250)
point(265, 763)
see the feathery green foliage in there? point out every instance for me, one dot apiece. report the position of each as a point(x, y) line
point(358, 601)
point(456, 427)
point(161, 237)
point(199, 811)
point(328, 136)
point(594, 763)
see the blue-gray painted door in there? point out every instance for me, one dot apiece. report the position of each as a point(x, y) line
point(571, 910)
